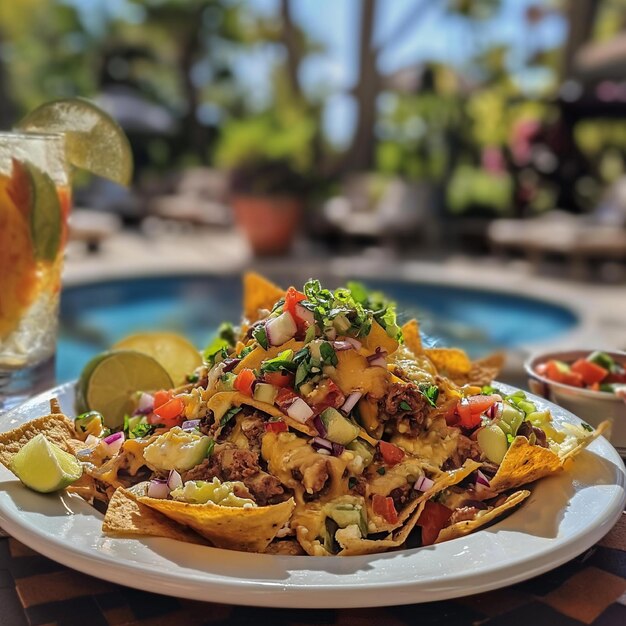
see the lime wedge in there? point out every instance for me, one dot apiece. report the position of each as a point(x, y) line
point(113, 381)
point(45, 214)
point(174, 352)
point(94, 140)
point(43, 466)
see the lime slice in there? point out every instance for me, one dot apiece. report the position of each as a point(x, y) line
point(45, 214)
point(95, 141)
point(174, 352)
point(83, 382)
point(113, 381)
point(44, 467)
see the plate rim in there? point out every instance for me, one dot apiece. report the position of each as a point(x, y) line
point(242, 591)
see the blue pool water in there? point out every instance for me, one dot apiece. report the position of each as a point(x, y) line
point(95, 316)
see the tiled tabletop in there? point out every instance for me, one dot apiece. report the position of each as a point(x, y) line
point(591, 589)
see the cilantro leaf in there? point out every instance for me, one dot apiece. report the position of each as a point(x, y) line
point(430, 392)
point(282, 362)
point(587, 427)
point(209, 451)
point(142, 430)
point(382, 471)
point(225, 338)
point(509, 438)
point(193, 378)
point(260, 335)
point(328, 354)
point(229, 415)
point(405, 406)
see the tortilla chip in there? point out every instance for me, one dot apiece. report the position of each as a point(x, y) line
point(126, 517)
point(485, 370)
point(412, 337)
point(56, 427)
point(235, 528)
point(450, 362)
point(469, 526)
point(524, 463)
point(258, 293)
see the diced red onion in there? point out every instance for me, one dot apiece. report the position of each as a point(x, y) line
point(319, 426)
point(355, 343)
point(190, 424)
point(158, 489)
point(174, 480)
point(113, 443)
point(145, 404)
point(300, 411)
point(483, 490)
point(319, 443)
point(305, 315)
point(230, 364)
point(494, 411)
point(351, 401)
point(280, 329)
point(423, 484)
point(337, 449)
point(481, 479)
point(342, 345)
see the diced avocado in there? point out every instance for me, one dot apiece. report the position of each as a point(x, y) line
point(512, 417)
point(602, 359)
point(492, 442)
point(264, 392)
point(177, 449)
point(346, 514)
point(363, 449)
point(527, 407)
point(539, 418)
point(341, 323)
point(562, 366)
point(338, 428)
point(226, 382)
point(202, 491)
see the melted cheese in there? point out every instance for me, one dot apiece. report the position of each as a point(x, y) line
point(436, 444)
point(258, 355)
point(353, 373)
point(285, 452)
point(378, 338)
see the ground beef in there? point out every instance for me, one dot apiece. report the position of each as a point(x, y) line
point(466, 448)
point(253, 427)
point(403, 495)
point(399, 393)
point(233, 464)
point(464, 514)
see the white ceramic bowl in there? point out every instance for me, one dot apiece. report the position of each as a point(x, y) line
point(591, 406)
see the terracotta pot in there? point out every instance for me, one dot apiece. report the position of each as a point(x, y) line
point(269, 222)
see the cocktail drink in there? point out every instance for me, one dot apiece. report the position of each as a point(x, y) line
point(35, 199)
point(34, 209)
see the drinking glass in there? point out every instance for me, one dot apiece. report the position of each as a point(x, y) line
point(35, 202)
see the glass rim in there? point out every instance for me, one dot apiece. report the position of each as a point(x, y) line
point(23, 134)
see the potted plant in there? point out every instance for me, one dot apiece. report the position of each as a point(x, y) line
point(268, 159)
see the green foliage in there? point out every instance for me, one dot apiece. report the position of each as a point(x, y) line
point(471, 186)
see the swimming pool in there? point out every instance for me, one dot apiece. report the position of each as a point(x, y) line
point(94, 316)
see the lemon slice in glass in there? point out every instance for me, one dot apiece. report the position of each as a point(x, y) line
point(94, 140)
point(42, 466)
point(174, 352)
point(109, 386)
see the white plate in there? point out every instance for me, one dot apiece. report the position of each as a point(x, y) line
point(564, 516)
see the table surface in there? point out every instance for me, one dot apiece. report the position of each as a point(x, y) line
point(591, 589)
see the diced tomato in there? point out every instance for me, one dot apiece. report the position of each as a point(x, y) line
point(541, 369)
point(276, 427)
point(470, 409)
point(285, 398)
point(327, 394)
point(391, 454)
point(279, 379)
point(244, 381)
point(384, 506)
point(432, 519)
point(595, 387)
point(292, 297)
point(161, 397)
point(556, 372)
point(169, 412)
point(591, 372)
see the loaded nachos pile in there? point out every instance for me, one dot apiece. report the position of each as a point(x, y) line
point(318, 426)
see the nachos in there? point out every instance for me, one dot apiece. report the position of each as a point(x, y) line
point(319, 425)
